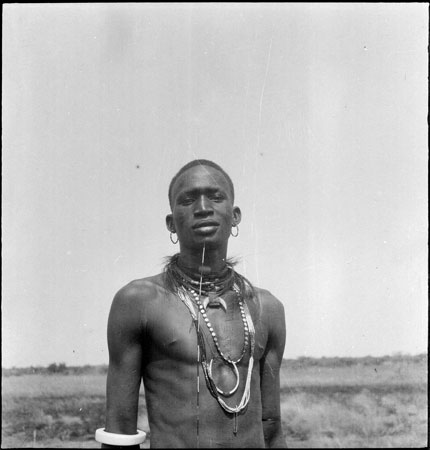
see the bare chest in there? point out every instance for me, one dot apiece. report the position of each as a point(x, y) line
point(173, 332)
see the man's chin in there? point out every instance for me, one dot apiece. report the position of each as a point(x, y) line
point(209, 240)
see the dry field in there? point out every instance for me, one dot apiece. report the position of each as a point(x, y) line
point(326, 403)
point(361, 405)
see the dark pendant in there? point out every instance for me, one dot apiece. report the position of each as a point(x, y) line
point(213, 301)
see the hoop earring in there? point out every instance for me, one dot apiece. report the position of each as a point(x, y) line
point(237, 230)
point(173, 242)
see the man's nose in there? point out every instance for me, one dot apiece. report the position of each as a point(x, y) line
point(203, 207)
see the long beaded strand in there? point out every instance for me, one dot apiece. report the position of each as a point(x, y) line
point(212, 331)
point(198, 351)
point(183, 295)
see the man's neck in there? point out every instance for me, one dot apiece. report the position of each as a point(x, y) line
point(214, 261)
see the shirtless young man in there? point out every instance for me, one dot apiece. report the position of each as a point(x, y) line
point(206, 343)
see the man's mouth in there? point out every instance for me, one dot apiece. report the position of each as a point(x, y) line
point(205, 224)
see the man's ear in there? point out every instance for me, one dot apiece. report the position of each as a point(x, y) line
point(237, 215)
point(169, 223)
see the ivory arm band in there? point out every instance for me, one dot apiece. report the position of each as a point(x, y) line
point(105, 437)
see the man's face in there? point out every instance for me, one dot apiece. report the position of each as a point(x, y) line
point(202, 208)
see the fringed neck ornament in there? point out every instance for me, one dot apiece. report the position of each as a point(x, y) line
point(197, 297)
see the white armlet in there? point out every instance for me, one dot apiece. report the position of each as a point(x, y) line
point(105, 437)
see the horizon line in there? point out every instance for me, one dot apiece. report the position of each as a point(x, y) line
point(302, 357)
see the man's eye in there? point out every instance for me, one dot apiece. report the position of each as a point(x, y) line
point(217, 197)
point(186, 201)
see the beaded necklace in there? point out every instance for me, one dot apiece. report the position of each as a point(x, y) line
point(202, 309)
point(207, 293)
point(249, 331)
point(217, 284)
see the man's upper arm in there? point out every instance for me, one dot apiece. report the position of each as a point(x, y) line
point(125, 332)
point(270, 372)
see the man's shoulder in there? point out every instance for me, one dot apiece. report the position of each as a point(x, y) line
point(271, 311)
point(266, 296)
point(142, 289)
point(268, 301)
point(134, 302)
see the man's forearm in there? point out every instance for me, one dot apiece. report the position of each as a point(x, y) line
point(273, 434)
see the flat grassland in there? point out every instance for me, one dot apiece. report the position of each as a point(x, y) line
point(325, 403)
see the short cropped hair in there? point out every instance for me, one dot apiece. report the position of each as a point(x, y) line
point(200, 162)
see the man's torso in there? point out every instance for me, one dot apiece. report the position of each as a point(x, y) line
point(180, 414)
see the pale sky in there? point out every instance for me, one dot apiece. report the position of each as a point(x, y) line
point(318, 112)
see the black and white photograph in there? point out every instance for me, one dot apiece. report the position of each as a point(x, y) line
point(215, 225)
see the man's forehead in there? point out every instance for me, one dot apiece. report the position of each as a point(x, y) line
point(201, 176)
